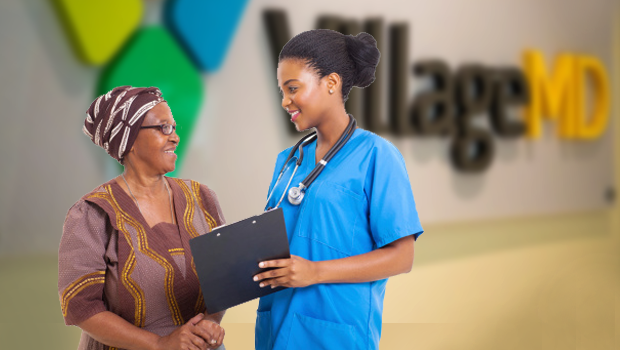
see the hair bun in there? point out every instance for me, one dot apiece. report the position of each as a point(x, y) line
point(364, 53)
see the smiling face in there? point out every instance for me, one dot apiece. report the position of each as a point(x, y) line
point(304, 95)
point(153, 151)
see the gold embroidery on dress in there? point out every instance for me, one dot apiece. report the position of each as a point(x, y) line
point(210, 220)
point(176, 251)
point(131, 285)
point(188, 216)
point(143, 247)
point(200, 303)
point(77, 286)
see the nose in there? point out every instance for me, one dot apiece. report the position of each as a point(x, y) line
point(286, 102)
point(174, 137)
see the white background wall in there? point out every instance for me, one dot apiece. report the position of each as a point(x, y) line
point(47, 163)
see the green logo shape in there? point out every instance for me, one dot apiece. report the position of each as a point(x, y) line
point(99, 28)
point(154, 58)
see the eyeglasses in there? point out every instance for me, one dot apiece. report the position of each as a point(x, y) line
point(166, 129)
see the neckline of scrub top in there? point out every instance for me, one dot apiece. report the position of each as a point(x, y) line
point(310, 159)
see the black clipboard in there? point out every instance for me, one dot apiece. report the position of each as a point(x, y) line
point(227, 259)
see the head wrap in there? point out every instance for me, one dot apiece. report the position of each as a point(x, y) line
point(114, 119)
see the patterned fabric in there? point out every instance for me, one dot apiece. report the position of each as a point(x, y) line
point(113, 120)
point(110, 259)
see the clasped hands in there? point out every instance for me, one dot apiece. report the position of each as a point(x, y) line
point(199, 333)
point(293, 272)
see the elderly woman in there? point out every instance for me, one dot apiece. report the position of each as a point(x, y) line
point(125, 271)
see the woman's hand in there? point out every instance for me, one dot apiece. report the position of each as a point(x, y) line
point(215, 333)
point(190, 336)
point(389, 260)
point(293, 272)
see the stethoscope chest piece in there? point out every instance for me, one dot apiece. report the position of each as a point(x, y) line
point(295, 195)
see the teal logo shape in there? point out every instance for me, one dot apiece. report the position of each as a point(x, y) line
point(205, 28)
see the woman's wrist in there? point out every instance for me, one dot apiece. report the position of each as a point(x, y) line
point(216, 317)
point(319, 272)
point(210, 320)
point(158, 343)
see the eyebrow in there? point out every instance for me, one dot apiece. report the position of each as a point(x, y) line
point(288, 81)
point(165, 121)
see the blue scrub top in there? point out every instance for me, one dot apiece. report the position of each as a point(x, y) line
point(360, 202)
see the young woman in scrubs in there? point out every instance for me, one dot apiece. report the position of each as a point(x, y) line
point(357, 223)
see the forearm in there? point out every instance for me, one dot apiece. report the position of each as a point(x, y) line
point(112, 330)
point(392, 259)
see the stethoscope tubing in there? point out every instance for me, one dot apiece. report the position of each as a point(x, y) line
point(303, 142)
point(287, 185)
point(330, 154)
point(305, 183)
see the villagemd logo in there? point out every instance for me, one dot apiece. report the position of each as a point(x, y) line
point(193, 38)
point(514, 99)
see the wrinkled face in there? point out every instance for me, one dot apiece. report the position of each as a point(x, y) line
point(152, 149)
point(303, 93)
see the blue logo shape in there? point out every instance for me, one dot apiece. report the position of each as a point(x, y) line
point(205, 28)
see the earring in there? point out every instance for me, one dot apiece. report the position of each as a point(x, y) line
point(331, 91)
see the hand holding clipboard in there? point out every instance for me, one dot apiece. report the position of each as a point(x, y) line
point(293, 272)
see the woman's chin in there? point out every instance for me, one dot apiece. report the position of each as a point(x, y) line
point(170, 169)
point(300, 127)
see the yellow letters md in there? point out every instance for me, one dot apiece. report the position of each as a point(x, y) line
point(561, 96)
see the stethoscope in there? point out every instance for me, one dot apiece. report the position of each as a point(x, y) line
point(296, 194)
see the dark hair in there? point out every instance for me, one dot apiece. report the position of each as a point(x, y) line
point(354, 58)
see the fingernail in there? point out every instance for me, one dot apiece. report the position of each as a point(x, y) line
point(213, 341)
point(255, 278)
point(261, 264)
point(272, 287)
point(261, 285)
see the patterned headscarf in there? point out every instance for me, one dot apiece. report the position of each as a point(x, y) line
point(114, 119)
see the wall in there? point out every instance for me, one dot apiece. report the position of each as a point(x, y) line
point(52, 161)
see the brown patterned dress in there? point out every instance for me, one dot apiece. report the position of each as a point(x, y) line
point(110, 259)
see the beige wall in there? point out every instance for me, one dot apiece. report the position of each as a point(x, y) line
point(47, 162)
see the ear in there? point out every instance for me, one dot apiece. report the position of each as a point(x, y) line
point(333, 82)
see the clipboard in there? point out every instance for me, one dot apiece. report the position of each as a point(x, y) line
point(227, 259)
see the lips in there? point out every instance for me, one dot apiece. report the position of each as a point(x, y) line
point(294, 115)
point(170, 152)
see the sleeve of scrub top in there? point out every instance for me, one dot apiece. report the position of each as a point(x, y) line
point(393, 213)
